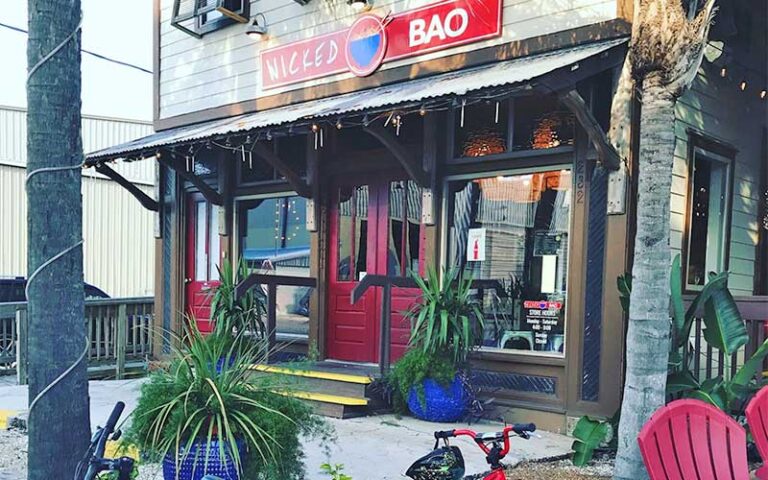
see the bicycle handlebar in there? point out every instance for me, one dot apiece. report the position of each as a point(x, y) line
point(114, 417)
point(521, 429)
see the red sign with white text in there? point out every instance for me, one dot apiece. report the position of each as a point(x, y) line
point(373, 40)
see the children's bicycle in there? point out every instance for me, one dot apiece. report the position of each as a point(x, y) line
point(447, 462)
point(93, 463)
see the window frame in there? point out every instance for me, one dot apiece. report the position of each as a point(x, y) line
point(236, 210)
point(725, 154)
point(548, 162)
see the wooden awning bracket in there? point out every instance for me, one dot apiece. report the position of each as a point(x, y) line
point(410, 163)
point(206, 190)
point(606, 153)
point(299, 185)
point(146, 201)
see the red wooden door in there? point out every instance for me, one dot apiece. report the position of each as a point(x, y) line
point(374, 229)
point(203, 258)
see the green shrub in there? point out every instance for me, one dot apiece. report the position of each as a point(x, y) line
point(411, 371)
point(334, 471)
point(190, 401)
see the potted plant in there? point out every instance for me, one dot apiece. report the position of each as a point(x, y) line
point(232, 316)
point(199, 418)
point(431, 377)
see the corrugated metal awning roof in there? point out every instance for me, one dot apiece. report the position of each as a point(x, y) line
point(458, 83)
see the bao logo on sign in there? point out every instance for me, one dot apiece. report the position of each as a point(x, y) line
point(374, 40)
point(366, 45)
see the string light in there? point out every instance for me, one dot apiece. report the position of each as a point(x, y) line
point(724, 72)
point(762, 94)
point(743, 85)
point(339, 125)
point(423, 111)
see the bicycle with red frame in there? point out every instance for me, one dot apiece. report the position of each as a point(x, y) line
point(447, 462)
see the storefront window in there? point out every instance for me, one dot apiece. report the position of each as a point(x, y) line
point(273, 239)
point(512, 230)
point(352, 233)
point(708, 209)
point(404, 228)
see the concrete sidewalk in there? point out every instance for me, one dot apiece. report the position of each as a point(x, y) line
point(371, 448)
point(104, 394)
point(383, 447)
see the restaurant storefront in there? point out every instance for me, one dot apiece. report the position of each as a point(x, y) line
point(456, 134)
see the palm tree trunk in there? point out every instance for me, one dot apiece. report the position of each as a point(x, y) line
point(59, 426)
point(648, 334)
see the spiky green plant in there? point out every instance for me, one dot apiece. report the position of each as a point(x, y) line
point(207, 394)
point(231, 315)
point(445, 318)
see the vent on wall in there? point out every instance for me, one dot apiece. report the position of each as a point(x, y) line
point(198, 17)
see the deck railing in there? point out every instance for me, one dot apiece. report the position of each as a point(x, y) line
point(119, 333)
point(708, 362)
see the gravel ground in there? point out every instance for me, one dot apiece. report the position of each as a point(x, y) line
point(562, 469)
point(13, 455)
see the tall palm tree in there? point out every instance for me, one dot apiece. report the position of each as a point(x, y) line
point(59, 427)
point(668, 40)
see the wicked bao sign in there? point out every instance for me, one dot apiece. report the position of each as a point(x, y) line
point(372, 40)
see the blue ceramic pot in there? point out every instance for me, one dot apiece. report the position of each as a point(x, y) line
point(194, 466)
point(441, 404)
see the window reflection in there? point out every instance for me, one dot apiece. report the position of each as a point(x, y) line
point(706, 218)
point(404, 228)
point(523, 222)
point(273, 239)
point(352, 233)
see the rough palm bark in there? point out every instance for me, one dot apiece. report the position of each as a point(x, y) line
point(665, 54)
point(59, 426)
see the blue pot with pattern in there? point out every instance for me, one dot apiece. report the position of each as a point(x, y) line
point(203, 459)
point(441, 403)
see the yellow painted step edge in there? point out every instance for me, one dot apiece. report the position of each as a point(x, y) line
point(323, 397)
point(4, 416)
point(339, 377)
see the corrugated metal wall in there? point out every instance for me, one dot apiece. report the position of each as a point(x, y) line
point(118, 232)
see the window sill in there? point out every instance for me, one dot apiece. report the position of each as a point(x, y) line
point(516, 357)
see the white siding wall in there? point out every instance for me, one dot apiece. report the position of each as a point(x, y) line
point(118, 231)
point(716, 107)
point(223, 67)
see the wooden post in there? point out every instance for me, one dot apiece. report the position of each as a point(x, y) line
point(271, 317)
point(121, 341)
point(386, 330)
point(22, 329)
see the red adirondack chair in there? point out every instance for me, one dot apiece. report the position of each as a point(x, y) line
point(692, 440)
point(757, 418)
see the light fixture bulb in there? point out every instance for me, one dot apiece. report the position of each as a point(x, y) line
point(358, 5)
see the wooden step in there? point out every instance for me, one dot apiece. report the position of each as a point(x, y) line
point(316, 381)
point(335, 406)
point(332, 390)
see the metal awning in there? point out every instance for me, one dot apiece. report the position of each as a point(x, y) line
point(511, 73)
